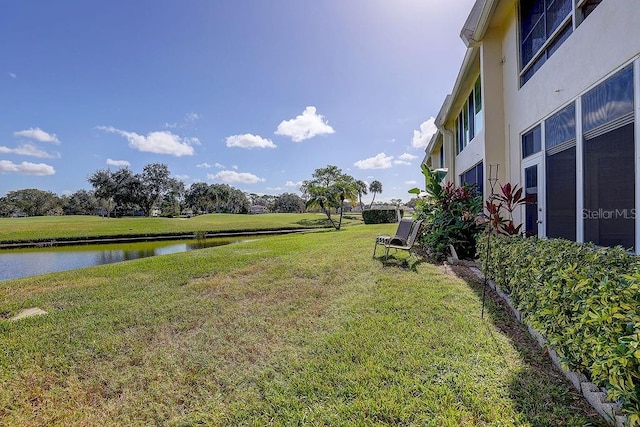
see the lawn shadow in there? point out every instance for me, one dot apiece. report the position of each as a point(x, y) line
point(539, 391)
point(403, 262)
point(320, 222)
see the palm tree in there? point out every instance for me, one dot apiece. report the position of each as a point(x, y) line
point(361, 188)
point(374, 187)
point(329, 189)
point(344, 189)
point(318, 196)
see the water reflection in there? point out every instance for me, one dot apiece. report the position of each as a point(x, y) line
point(18, 263)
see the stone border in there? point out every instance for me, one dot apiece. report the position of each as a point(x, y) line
point(597, 397)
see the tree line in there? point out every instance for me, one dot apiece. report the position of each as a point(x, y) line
point(153, 191)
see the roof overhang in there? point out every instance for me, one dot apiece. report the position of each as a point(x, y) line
point(477, 22)
point(432, 143)
point(469, 57)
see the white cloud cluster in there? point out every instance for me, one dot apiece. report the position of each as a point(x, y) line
point(422, 137)
point(204, 165)
point(159, 142)
point(229, 177)
point(292, 184)
point(118, 163)
point(29, 150)
point(382, 161)
point(39, 135)
point(379, 161)
point(248, 140)
point(26, 168)
point(305, 126)
point(405, 159)
point(192, 117)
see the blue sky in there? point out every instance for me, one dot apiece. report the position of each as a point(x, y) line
point(253, 93)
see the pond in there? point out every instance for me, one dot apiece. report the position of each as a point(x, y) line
point(17, 263)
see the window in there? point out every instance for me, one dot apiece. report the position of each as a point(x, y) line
point(531, 208)
point(560, 144)
point(531, 142)
point(474, 176)
point(544, 26)
point(469, 121)
point(609, 166)
point(442, 156)
point(477, 93)
point(609, 102)
point(561, 127)
point(585, 7)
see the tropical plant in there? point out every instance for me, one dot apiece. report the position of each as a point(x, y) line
point(375, 187)
point(361, 188)
point(328, 190)
point(501, 206)
point(449, 215)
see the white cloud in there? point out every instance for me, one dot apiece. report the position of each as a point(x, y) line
point(39, 135)
point(412, 182)
point(192, 117)
point(13, 75)
point(405, 159)
point(248, 140)
point(305, 126)
point(26, 168)
point(293, 184)
point(160, 142)
point(204, 165)
point(181, 177)
point(274, 188)
point(219, 166)
point(422, 137)
point(170, 125)
point(234, 167)
point(380, 161)
point(29, 150)
point(111, 162)
point(233, 176)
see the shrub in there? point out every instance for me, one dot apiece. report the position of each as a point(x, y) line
point(450, 220)
point(380, 216)
point(584, 300)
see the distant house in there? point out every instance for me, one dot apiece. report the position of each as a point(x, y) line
point(258, 209)
point(549, 90)
point(156, 212)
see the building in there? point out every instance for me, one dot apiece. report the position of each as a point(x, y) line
point(549, 90)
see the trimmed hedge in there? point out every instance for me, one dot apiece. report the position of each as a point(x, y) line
point(584, 300)
point(380, 216)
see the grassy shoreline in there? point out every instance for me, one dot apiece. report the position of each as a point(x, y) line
point(290, 330)
point(85, 227)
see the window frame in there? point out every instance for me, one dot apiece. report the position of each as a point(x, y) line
point(465, 133)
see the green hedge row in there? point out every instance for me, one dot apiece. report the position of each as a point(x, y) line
point(584, 300)
point(380, 216)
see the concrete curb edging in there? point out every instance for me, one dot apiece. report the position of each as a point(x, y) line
point(597, 397)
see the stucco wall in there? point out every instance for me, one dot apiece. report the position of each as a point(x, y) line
point(608, 39)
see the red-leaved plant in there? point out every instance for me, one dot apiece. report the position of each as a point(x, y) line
point(501, 206)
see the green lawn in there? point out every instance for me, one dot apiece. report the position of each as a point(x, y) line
point(49, 227)
point(290, 330)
